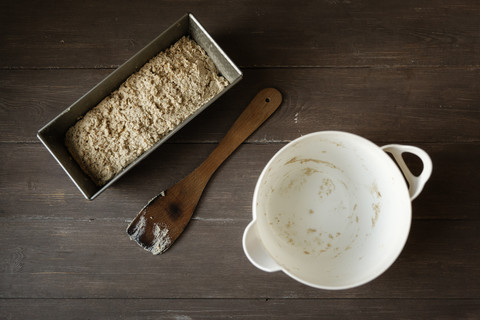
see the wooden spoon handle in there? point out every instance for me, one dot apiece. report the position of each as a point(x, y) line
point(257, 111)
point(164, 218)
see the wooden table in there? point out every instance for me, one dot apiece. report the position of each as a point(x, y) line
point(392, 71)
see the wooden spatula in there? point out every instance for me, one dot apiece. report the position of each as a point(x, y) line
point(164, 218)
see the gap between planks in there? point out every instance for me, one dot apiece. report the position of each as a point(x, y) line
point(380, 66)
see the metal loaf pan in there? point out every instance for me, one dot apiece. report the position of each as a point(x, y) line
point(52, 135)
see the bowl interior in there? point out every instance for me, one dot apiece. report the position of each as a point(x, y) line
point(332, 209)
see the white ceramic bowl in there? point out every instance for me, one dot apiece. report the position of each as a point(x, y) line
point(332, 210)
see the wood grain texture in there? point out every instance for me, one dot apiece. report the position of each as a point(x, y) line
point(48, 258)
point(95, 34)
point(240, 309)
point(387, 104)
point(35, 187)
point(391, 71)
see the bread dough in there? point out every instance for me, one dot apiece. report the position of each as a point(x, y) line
point(149, 104)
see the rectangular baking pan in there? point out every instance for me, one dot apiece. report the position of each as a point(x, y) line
point(52, 135)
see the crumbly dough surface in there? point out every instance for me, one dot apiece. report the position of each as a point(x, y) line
point(149, 104)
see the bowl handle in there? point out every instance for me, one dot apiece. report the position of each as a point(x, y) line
point(416, 183)
point(255, 252)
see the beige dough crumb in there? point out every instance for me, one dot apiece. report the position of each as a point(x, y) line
point(149, 104)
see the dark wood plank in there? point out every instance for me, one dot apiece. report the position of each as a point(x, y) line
point(92, 34)
point(52, 236)
point(41, 96)
point(387, 104)
point(33, 185)
point(239, 309)
point(52, 258)
point(60, 238)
